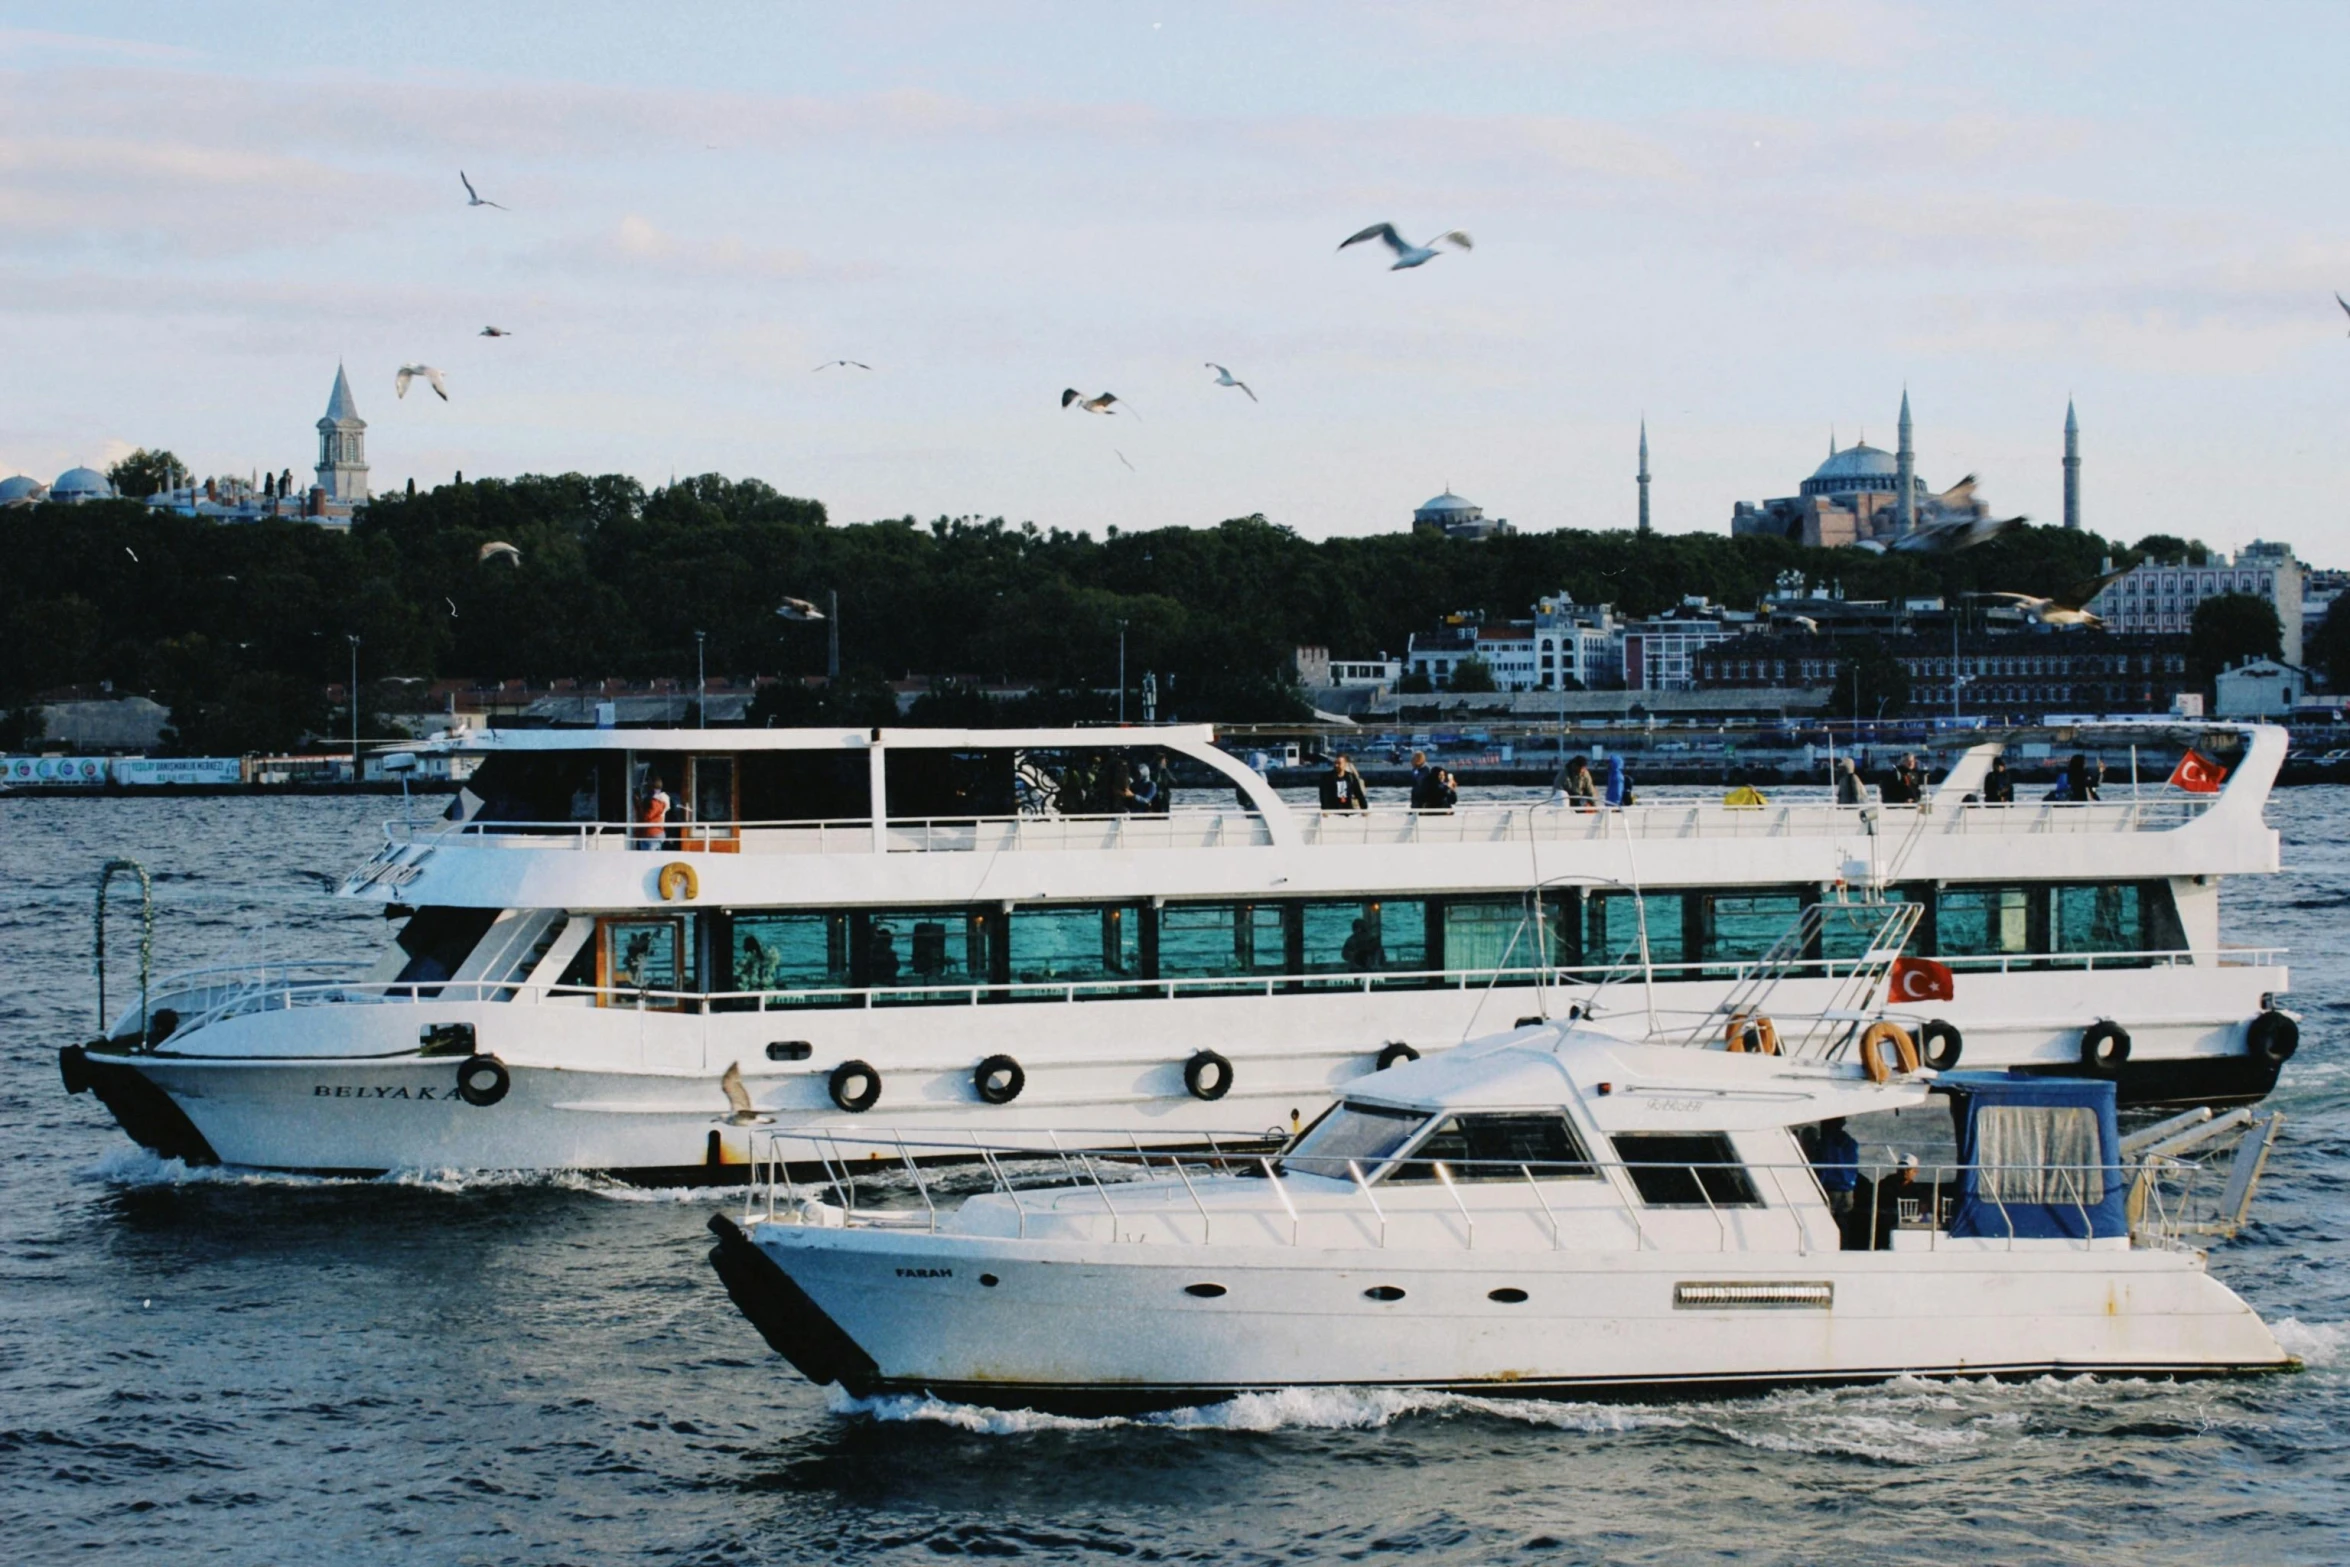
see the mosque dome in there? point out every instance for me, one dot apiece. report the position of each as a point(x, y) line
point(1448, 504)
point(1854, 470)
point(19, 488)
point(1448, 511)
point(81, 484)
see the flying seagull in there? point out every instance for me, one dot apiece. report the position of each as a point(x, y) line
point(855, 364)
point(1225, 377)
point(452, 603)
point(738, 1098)
point(132, 553)
point(2066, 609)
point(411, 372)
point(1130, 468)
point(494, 548)
point(2344, 303)
point(473, 197)
point(495, 331)
point(1092, 405)
point(799, 609)
point(1406, 254)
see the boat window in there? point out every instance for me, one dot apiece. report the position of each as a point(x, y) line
point(1367, 1134)
point(1213, 940)
point(1739, 927)
point(713, 789)
point(1055, 947)
point(805, 786)
point(541, 787)
point(1974, 922)
point(1365, 936)
point(1486, 935)
point(638, 955)
point(920, 947)
point(2110, 917)
point(788, 959)
point(1498, 1147)
point(438, 941)
point(2043, 1154)
point(1611, 928)
point(1847, 929)
point(1686, 1170)
point(923, 782)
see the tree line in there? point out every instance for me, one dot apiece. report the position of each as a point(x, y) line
point(240, 628)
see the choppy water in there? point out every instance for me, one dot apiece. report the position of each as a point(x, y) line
point(213, 1367)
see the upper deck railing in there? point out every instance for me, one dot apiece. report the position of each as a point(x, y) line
point(1230, 827)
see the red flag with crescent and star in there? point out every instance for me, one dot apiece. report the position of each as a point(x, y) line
point(1922, 979)
point(2197, 773)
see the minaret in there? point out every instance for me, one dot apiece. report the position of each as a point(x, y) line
point(1905, 473)
point(1644, 476)
point(342, 446)
point(2072, 467)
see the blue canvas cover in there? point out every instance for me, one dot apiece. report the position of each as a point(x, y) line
point(2012, 1130)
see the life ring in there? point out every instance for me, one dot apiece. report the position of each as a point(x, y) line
point(855, 1087)
point(1207, 1075)
point(1940, 1044)
point(483, 1081)
point(1872, 1051)
point(1393, 1051)
point(678, 879)
point(2273, 1036)
point(1751, 1032)
point(2105, 1045)
point(999, 1079)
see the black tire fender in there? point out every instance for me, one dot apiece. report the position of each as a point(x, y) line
point(1207, 1075)
point(846, 1092)
point(984, 1079)
point(1940, 1044)
point(1393, 1051)
point(2105, 1045)
point(483, 1080)
point(2273, 1036)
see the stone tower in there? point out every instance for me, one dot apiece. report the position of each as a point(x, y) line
point(1905, 475)
point(1644, 476)
point(342, 446)
point(2072, 467)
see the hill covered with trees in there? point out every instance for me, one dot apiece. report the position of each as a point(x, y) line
point(240, 628)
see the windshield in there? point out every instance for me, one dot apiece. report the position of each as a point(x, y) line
point(1367, 1134)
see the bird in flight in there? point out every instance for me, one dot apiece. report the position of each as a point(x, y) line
point(452, 603)
point(132, 553)
point(1225, 377)
point(495, 331)
point(497, 547)
point(799, 609)
point(2344, 303)
point(1092, 405)
point(473, 198)
point(1407, 254)
point(411, 372)
point(2067, 609)
point(854, 364)
point(739, 1111)
point(1130, 468)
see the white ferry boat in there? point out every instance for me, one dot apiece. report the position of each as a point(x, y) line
point(634, 950)
point(1554, 1211)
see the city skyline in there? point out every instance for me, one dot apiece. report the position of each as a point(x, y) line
point(1744, 236)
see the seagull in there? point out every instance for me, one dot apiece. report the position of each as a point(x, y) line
point(1092, 405)
point(132, 553)
point(855, 364)
point(495, 331)
point(2066, 609)
point(497, 547)
point(411, 372)
point(452, 603)
point(738, 1099)
point(799, 609)
point(1130, 468)
point(1225, 377)
point(1409, 255)
point(473, 197)
point(2344, 303)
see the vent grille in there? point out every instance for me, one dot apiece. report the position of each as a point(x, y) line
point(1754, 1295)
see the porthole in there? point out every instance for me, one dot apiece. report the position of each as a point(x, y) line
point(1383, 1292)
point(1507, 1296)
point(1204, 1291)
point(988, 1281)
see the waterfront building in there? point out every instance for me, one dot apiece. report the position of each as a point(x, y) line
point(1564, 645)
point(1863, 495)
point(2260, 688)
point(2006, 676)
point(1660, 651)
point(342, 448)
point(2160, 598)
point(1457, 518)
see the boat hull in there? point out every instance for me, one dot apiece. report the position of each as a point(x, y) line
point(1093, 1330)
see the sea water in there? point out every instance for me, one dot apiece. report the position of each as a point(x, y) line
point(201, 1366)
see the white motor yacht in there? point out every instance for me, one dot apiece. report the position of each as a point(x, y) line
point(1556, 1211)
point(636, 950)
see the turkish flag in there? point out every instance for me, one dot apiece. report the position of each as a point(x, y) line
point(2197, 773)
point(1922, 979)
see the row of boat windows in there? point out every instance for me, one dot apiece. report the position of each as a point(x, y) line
point(808, 957)
point(1668, 1169)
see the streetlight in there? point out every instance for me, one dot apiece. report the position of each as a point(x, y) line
point(353, 638)
point(701, 685)
point(1121, 671)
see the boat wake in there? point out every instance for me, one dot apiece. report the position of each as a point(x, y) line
point(2319, 1346)
point(1288, 1409)
point(135, 1168)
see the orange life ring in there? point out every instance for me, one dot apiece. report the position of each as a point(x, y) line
point(1872, 1055)
point(677, 878)
point(1748, 1025)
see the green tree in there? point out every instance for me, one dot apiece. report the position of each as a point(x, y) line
point(1472, 674)
point(2230, 628)
point(2328, 647)
point(2171, 550)
point(143, 473)
point(1870, 685)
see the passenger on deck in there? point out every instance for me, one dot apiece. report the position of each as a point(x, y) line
point(1619, 783)
point(1835, 1158)
point(1999, 783)
point(1419, 774)
point(650, 819)
point(1440, 791)
point(1745, 796)
point(1342, 787)
point(1145, 792)
point(1582, 791)
point(881, 958)
point(1849, 789)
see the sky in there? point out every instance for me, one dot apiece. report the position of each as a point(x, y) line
point(1750, 225)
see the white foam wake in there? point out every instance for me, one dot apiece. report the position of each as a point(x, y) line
point(1286, 1409)
point(2318, 1345)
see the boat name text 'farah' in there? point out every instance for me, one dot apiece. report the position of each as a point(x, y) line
point(926, 1273)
